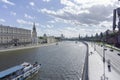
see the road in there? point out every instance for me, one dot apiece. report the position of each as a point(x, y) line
point(110, 55)
point(59, 62)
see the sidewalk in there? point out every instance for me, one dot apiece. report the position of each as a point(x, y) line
point(96, 67)
point(25, 47)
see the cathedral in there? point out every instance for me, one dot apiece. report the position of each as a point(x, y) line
point(34, 35)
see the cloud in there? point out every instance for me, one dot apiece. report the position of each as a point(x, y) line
point(90, 15)
point(32, 3)
point(2, 20)
point(47, 26)
point(94, 2)
point(8, 2)
point(21, 21)
point(13, 13)
point(87, 15)
point(46, 0)
point(28, 16)
point(52, 21)
point(67, 2)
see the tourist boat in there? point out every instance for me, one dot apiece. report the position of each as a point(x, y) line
point(20, 72)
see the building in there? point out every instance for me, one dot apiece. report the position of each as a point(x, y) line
point(14, 36)
point(51, 39)
point(34, 35)
point(62, 37)
point(48, 39)
point(112, 37)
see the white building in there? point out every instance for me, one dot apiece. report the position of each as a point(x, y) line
point(51, 39)
point(14, 36)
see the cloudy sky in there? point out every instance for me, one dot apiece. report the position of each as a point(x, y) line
point(55, 17)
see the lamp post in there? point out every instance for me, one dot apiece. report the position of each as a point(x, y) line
point(104, 49)
point(94, 45)
point(104, 61)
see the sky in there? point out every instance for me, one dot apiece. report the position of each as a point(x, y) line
point(56, 17)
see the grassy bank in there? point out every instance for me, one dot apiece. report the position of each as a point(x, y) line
point(109, 46)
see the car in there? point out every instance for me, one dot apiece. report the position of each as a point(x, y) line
point(118, 54)
point(105, 49)
point(111, 50)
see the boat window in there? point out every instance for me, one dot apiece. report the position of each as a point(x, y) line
point(5, 78)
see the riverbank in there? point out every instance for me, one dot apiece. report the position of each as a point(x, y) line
point(25, 47)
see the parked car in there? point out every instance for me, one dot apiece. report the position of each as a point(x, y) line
point(111, 50)
point(105, 49)
point(118, 54)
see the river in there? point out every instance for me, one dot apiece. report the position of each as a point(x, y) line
point(59, 62)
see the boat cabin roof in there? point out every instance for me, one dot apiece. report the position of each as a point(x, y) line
point(10, 71)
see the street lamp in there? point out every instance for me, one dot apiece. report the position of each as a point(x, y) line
point(94, 46)
point(104, 61)
point(104, 49)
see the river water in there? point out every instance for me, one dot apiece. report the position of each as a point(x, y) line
point(59, 62)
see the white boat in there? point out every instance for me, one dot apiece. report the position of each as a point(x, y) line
point(20, 72)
